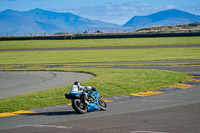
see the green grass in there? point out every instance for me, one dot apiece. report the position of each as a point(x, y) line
point(52, 57)
point(26, 44)
point(109, 82)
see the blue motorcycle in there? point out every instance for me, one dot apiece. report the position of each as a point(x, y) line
point(82, 103)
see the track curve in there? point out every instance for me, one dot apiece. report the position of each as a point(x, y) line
point(14, 83)
point(174, 111)
point(127, 115)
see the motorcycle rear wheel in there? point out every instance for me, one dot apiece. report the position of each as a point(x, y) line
point(102, 104)
point(79, 107)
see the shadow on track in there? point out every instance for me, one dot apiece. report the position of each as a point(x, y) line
point(52, 113)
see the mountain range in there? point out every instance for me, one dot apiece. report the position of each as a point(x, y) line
point(38, 21)
point(163, 18)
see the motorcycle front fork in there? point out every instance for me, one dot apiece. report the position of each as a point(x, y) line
point(83, 99)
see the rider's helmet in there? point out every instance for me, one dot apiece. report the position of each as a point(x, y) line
point(77, 83)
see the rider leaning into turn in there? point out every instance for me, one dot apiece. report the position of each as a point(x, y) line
point(77, 88)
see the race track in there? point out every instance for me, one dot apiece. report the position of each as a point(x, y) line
point(14, 83)
point(174, 111)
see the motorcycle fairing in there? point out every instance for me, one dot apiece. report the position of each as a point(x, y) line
point(95, 105)
point(73, 95)
point(91, 106)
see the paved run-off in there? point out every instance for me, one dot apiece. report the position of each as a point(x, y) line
point(14, 83)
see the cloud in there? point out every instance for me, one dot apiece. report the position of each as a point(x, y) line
point(195, 9)
point(171, 7)
point(112, 12)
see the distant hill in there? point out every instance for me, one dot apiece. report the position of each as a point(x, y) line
point(193, 27)
point(163, 18)
point(40, 21)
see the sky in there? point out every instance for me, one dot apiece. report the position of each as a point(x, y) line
point(113, 11)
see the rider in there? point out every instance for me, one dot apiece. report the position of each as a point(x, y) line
point(77, 88)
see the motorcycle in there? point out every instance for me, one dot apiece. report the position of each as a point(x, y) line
point(82, 103)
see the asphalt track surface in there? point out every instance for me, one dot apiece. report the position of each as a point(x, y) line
point(144, 62)
point(21, 82)
point(175, 111)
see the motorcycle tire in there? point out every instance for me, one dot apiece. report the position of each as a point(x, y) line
point(76, 105)
point(102, 104)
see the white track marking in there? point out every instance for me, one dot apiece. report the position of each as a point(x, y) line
point(48, 126)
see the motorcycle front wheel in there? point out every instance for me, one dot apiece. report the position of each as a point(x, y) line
point(102, 104)
point(79, 107)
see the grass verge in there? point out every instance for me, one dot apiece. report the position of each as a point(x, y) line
point(78, 56)
point(109, 82)
point(29, 44)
